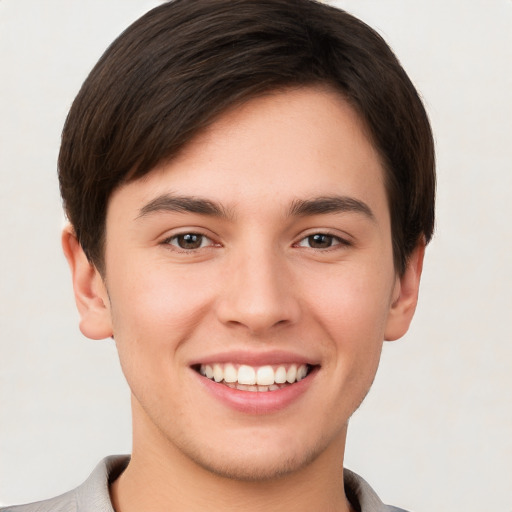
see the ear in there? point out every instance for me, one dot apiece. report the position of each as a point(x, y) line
point(405, 295)
point(90, 292)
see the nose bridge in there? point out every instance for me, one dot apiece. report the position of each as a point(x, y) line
point(258, 293)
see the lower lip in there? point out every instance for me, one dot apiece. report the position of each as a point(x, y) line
point(258, 402)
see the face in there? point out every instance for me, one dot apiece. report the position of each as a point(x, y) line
point(249, 286)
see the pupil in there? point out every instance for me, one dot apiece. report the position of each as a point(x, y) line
point(190, 241)
point(320, 241)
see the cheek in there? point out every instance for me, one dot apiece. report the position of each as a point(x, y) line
point(352, 305)
point(154, 314)
point(155, 309)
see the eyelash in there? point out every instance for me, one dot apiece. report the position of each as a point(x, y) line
point(203, 239)
point(206, 241)
point(335, 241)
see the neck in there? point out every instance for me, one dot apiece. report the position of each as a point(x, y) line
point(160, 477)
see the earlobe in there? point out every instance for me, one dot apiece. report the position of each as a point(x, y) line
point(90, 292)
point(405, 296)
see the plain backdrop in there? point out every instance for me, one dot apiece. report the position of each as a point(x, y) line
point(435, 433)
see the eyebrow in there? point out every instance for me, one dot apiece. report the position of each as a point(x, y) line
point(330, 204)
point(172, 203)
point(299, 207)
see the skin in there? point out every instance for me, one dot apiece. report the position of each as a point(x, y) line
point(258, 283)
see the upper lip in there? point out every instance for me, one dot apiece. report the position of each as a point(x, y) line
point(274, 357)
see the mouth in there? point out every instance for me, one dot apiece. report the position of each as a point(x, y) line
point(266, 378)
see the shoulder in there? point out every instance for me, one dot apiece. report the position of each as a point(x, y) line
point(91, 496)
point(361, 495)
point(63, 503)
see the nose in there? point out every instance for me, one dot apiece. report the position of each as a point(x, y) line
point(258, 293)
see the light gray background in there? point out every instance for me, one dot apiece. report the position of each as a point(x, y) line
point(436, 431)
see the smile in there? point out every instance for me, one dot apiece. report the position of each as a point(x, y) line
point(259, 379)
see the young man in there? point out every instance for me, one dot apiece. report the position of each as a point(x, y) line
point(250, 189)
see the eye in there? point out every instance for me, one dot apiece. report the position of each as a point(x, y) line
point(321, 241)
point(189, 241)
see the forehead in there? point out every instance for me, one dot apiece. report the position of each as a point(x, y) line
point(298, 143)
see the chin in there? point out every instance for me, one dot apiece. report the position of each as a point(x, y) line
point(257, 461)
point(256, 469)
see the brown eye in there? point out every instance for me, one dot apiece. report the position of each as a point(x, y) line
point(319, 241)
point(189, 241)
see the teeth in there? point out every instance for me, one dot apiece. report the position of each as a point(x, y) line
point(301, 373)
point(265, 376)
point(218, 374)
point(280, 375)
point(248, 378)
point(230, 373)
point(246, 375)
point(208, 371)
point(291, 374)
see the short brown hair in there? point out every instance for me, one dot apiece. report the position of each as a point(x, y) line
point(181, 65)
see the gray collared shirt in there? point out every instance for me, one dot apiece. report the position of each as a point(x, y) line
point(93, 494)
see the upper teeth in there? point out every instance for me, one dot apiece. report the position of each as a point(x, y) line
point(249, 375)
